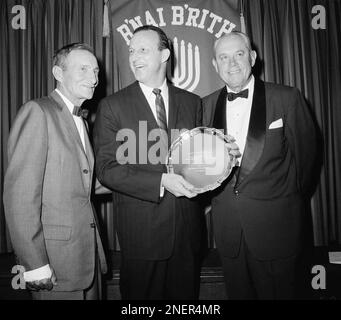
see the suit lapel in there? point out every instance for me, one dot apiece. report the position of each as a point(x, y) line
point(68, 120)
point(219, 121)
point(143, 111)
point(256, 133)
point(142, 107)
point(173, 105)
point(88, 147)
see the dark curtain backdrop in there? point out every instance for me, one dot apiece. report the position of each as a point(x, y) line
point(290, 52)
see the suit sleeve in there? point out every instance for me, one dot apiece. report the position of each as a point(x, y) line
point(206, 112)
point(130, 179)
point(199, 115)
point(23, 185)
point(301, 134)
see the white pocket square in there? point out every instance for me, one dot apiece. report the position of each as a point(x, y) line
point(276, 124)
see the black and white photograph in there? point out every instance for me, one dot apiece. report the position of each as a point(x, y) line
point(170, 156)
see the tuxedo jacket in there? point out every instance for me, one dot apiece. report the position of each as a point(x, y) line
point(145, 221)
point(263, 199)
point(48, 185)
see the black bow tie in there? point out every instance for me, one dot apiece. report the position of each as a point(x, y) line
point(242, 94)
point(79, 112)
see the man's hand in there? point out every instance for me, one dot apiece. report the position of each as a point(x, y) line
point(177, 185)
point(43, 284)
point(100, 189)
point(233, 148)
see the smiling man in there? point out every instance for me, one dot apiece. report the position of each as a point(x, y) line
point(159, 223)
point(48, 185)
point(258, 213)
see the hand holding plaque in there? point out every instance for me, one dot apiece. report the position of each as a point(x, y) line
point(177, 185)
point(203, 157)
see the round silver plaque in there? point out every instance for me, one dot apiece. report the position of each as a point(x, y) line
point(201, 156)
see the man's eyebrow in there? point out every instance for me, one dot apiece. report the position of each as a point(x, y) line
point(89, 66)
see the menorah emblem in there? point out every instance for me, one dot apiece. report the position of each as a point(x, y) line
point(187, 67)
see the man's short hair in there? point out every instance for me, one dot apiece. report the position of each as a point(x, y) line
point(239, 34)
point(163, 39)
point(62, 53)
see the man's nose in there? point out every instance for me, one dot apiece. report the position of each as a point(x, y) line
point(93, 77)
point(232, 62)
point(134, 56)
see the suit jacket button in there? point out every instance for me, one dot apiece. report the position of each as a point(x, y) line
point(236, 192)
point(86, 171)
point(92, 225)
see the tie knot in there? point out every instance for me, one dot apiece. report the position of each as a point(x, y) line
point(157, 91)
point(242, 94)
point(79, 112)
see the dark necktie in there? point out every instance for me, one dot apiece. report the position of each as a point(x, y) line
point(242, 94)
point(79, 112)
point(160, 109)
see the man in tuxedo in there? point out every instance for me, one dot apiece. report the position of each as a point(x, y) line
point(258, 213)
point(48, 185)
point(159, 223)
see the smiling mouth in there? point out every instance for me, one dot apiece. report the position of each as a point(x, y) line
point(89, 87)
point(234, 71)
point(139, 66)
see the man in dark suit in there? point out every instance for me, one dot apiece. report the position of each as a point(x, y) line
point(258, 212)
point(48, 184)
point(159, 224)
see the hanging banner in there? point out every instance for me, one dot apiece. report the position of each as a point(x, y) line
point(191, 25)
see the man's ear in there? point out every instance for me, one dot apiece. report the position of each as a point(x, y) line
point(253, 56)
point(214, 62)
point(57, 73)
point(165, 55)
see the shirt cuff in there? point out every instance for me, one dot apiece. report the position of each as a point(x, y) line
point(43, 272)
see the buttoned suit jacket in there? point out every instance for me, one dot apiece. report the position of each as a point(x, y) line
point(48, 185)
point(264, 199)
point(145, 221)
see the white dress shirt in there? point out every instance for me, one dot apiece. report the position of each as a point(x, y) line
point(238, 116)
point(78, 120)
point(45, 271)
point(150, 96)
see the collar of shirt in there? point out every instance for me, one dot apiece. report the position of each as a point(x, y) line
point(150, 96)
point(250, 85)
point(78, 120)
point(68, 103)
point(242, 103)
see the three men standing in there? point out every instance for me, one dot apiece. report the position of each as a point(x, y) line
point(257, 212)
